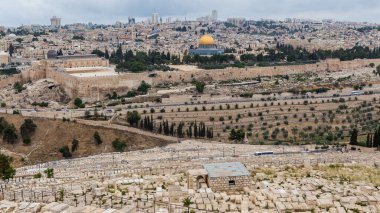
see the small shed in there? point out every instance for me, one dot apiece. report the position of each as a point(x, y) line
point(227, 176)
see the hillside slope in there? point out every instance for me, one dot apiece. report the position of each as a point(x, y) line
point(51, 135)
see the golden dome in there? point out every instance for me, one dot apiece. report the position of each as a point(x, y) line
point(206, 40)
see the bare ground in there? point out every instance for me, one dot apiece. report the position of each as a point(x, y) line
point(51, 135)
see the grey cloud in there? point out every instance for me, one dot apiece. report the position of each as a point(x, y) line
point(16, 12)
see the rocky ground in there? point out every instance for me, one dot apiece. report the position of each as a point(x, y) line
point(156, 180)
point(36, 92)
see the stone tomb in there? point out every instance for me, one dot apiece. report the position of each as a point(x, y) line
point(232, 176)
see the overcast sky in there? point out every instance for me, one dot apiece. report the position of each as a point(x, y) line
point(17, 12)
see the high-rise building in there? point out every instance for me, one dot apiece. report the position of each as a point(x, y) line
point(155, 18)
point(90, 25)
point(131, 21)
point(214, 15)
point(236, 21)
point(209, 18)
point(118, 24)
point(55, 22)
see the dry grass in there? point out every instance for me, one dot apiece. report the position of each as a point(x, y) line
point(335, 172)
point(53, 134)
point(352, 173)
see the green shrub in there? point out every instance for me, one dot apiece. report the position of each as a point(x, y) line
point(97, 138)
point(65, 152)
point(119, 145)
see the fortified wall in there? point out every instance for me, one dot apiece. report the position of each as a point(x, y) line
point(249, 73)
point(34, 73)
point(90, 87)
point(93, 88)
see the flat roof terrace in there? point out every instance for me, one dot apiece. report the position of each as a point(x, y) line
point(76, 57)
point(232, 169)
point(90, 71)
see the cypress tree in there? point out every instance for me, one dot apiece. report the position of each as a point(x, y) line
point(376, 138)
point(160, 129)
point(195, 130)
point(180, 130)
point(172, 129)
point(200, 130)
point(354, 137)
point(209, 135)
point(368, 142)
point(151, 123)
point(190, 131)
point(107, 55)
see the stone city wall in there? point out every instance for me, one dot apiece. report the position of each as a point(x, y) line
point(95, 88)
point(10, 80)
point(249, 73)
point(30, 74)
point(68, 82)
point(80, 62)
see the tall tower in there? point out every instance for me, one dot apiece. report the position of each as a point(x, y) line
point(155, 18)
point(55, 22)
point(214, 15)
point(131, 20)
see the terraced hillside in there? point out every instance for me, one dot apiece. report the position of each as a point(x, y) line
point(293, 121)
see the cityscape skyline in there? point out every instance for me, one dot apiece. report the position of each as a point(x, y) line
point(207, 106)
point(20, 12)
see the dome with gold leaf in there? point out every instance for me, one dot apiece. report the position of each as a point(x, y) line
point(206, 40)
point(206, 47)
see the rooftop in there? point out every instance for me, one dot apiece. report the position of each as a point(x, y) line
point(226, 169)
point(95, 73)
point(69, 57)
point(206, 40)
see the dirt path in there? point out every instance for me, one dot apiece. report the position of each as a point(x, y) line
point(106, 124)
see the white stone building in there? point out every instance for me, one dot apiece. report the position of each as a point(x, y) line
point(220, 177)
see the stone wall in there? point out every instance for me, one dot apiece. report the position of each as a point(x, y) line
point(10, 80)
point(222, 183)
point(79, 62)
point(31, 74)
point(249, 73)
point(193, 181)
point(95, 88)
point(4, 58)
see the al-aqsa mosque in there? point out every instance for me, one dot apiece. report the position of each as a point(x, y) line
point(206, 46)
